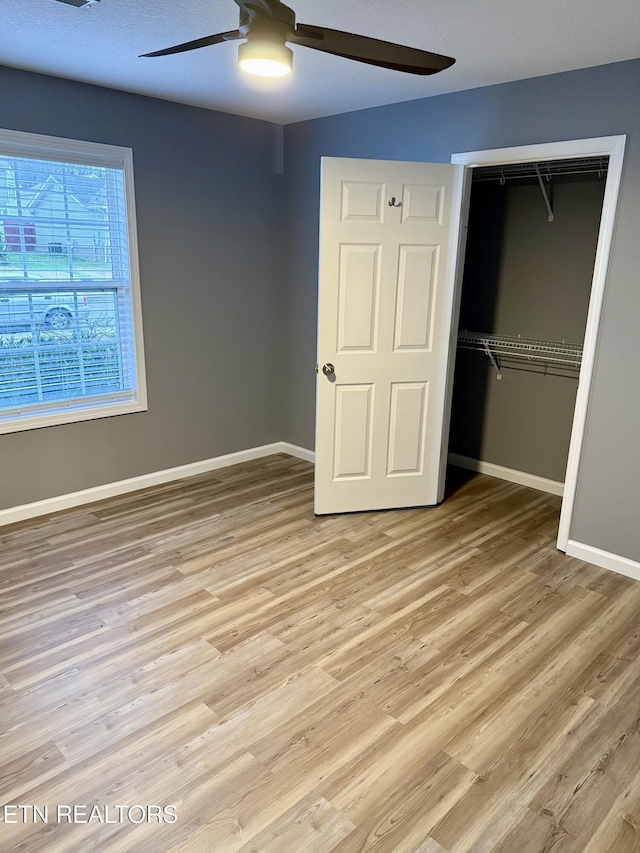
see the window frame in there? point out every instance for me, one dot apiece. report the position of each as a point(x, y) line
point(78, 152)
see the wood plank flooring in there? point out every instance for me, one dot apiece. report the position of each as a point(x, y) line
point(419, 681)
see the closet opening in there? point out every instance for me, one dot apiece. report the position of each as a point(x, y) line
point(531, 249)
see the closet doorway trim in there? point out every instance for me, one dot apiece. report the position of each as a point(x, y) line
point(613, 148)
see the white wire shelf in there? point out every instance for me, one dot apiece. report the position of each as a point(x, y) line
point(509, 348)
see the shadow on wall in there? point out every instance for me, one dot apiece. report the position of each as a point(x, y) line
point(480, 294)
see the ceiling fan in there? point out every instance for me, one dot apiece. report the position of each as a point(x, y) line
point(268, 25)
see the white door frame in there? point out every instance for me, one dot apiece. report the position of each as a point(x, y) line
point(613, 147)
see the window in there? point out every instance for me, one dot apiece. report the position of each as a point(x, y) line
point(70, 323)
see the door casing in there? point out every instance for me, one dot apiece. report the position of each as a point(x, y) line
point(605, 146)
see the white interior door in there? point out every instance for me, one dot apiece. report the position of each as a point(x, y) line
point(389, 235)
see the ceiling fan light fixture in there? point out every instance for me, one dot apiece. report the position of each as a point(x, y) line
point(269, 26)
point(265, 55)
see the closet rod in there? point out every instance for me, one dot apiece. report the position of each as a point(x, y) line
point(481, 178)
point(506, 175)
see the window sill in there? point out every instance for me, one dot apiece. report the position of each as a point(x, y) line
point(69, 415)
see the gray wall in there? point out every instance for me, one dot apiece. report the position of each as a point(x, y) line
point(524, 276)
point(209, 225)
point(592, 102)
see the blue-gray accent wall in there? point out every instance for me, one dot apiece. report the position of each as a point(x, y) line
point(209, 203)
point(601, 101)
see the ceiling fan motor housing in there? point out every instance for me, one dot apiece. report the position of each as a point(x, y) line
point(261, 16)
point(78, 3)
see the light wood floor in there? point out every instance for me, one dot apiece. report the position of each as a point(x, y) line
point(410, 681)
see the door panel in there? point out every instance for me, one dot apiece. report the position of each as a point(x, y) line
point(387, 263)
point(362, 201)
point(353, 431)
point(422, 203)
point(407, 428)
point(416, 291)
point(358, 297)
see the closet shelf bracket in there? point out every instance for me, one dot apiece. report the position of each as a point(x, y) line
point(544, 194)
point(492, 358)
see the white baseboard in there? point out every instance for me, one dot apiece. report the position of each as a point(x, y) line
point(588, 553)
point(604, 559)
point(156, 478)
point(299, 452)
point(519, 477)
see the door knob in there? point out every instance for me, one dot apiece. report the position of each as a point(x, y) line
point(328, 369)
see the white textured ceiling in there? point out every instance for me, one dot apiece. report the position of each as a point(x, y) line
point(493, 41)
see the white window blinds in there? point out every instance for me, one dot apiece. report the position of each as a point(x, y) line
point(68, 324)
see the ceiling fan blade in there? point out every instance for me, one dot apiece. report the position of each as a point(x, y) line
point(194, 45)
point(372, 51)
